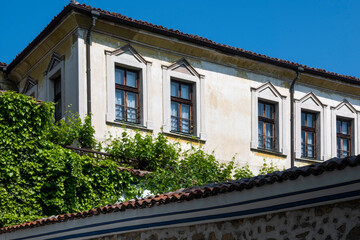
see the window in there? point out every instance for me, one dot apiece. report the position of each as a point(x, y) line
point(183, 101)
point(308, 135)
point(266, 126)
point(57, 98)
point(181, 107)
point(127, 95)
point(343, 137)
point(128, 88)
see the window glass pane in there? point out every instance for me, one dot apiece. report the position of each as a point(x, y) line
point(131, 115)
point(185, 111)
point(338, 140)
point(174, 109)
point(310, 138)
point(119, 97)
point(302, 119)
point(119, 76)
point(185, 91)
point(269, 130)
point(185, 126)
point(310, 151)
point(261, 133)
point(345, 154)
point(310, 119)
point(174, 124)
point(303, 143)
point(268, 143)
point(338, 126)
point(345, 145)
point(268, 111)
point(119, 112)
point(174, 89)
point(261, 109)
point(131, 99)
point(345, 127)
point(131, 79)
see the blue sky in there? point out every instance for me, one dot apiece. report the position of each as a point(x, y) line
point(322, 34)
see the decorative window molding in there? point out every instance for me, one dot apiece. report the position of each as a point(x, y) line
point(310, 103)
point(128, 57)
point(269, 94)
point(55, 69)
point(30, 87)
point(182, 71)
point(346, 111)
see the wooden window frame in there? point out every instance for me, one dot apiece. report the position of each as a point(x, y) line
point(57, 99)
point(344, 136)
point(267, 120)
point(181, 101)
point(307, 130)
point(126, 90)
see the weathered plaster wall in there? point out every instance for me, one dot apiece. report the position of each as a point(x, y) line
point(227, 99)
point(330, 222)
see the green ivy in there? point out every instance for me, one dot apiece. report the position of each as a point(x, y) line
point(40, 178)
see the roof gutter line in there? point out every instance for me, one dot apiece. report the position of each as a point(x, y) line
point(94, 15)
point(292, 115)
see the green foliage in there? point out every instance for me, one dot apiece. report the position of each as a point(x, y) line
point(71, 130)
point(150, 153)
point(267, 168)
point(243, 172)
point(195, 169)
point(38, 177)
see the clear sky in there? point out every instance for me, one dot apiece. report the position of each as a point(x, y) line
point(322, 34)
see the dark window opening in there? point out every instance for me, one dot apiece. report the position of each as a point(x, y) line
point(127, 95)
point(266, 126)
point(343, 137)
point(182, 107)
point(57, 98)
point(308, 135)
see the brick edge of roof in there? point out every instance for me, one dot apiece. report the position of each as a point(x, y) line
point(199, 192)
point(116, 17)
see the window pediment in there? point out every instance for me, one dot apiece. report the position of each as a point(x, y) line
point(311, 102)
point(345, 109)
point(54, 61)
point(29, 84)
point(269, 92)
point(184, 67)
point(129, 52)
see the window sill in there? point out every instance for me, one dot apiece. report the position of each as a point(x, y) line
point(308, 160)
point(129, 125)
point(261, 150)
point(184, 136)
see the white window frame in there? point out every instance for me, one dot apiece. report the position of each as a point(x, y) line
point(55, 67)
point(190, 75)
point(134, 61)
point(310, 103)
point(269, 94)
point(345, 110)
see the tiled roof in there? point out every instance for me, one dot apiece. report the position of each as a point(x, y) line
point(201, 192)
point(116, 17)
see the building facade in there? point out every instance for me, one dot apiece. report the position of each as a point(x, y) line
point(134, 75)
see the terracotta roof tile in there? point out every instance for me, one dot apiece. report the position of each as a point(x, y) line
point(116, 17)
point(201, 191)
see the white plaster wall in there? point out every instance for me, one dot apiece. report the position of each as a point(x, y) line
point(227, 102)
